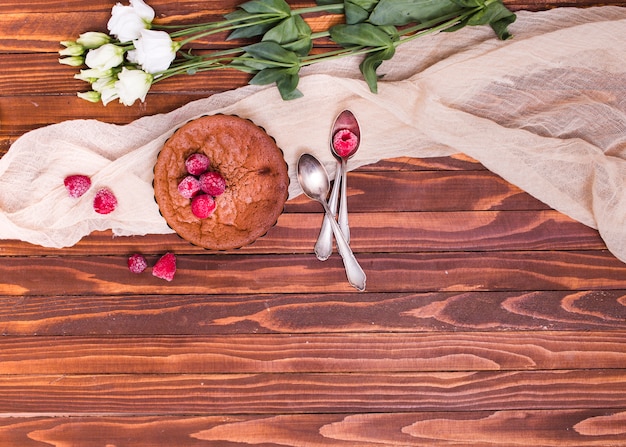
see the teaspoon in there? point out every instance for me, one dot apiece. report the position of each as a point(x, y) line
point(314, 182)
point(345, 138)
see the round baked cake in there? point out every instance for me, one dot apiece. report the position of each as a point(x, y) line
point(251, 164)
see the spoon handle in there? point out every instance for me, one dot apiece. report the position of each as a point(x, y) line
point(324, 244)
point(343, 206)
point(354, 272)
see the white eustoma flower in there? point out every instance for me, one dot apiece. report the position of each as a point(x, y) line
point(109, 94)
point(154, 51)
point(132, 85)
point(126, 22)
point(105, 57)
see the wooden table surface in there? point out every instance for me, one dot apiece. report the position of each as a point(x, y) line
point(489, 318)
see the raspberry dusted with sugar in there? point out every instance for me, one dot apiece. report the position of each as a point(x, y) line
point(202, 206)
point(77, 185)
point(137, 263)
point(165, 268)
point(345, 142)
point(212, 183)
point(104, 202)
point(197, 163)
point(189, 187)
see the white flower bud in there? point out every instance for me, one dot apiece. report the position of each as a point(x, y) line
point(105, 57)
point(92, 74)
point(93, 39)
point(72, 49)
point(72, 61)
point(89, 96)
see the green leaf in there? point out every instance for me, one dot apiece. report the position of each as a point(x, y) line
point(272, 51)
point(402, 12)
point(268, 76)
point(286, 80)
point(355, 14)
point(499, 19)
point(360, 34)
point(287, 86)
point(247, 31)
point(370, 64)
point(469, 3)
point(293, 34)
point(328, 2)
point(278, 7)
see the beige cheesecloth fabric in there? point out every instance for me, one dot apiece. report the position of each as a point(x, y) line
point(545, 110)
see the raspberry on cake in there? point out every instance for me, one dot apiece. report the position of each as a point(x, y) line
point(202, 206)
point(212, 183)
point(189, 187)
point(197, 164)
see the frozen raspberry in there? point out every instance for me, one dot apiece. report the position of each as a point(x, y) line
point(104, 202)
point(189, 187)
point(137, 263)
point(345, 142)
point(77, 185)
point(202, 206)
point(165, 268)
point(212, 183)
point(197, 163)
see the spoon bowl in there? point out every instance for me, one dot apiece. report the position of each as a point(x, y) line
point(313, 178)
point(314, 181)
point(345, 141)
point(345, 124)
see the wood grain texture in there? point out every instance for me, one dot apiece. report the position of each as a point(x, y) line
point(318, 353)
point(578, 428)
point(489, 320)
point(311, 313)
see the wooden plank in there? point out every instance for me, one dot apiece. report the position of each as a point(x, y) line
point(200, 315)
point(290, 353)
point(211, 394)
point(565, 428)
point(379, 233)
point(214, 274)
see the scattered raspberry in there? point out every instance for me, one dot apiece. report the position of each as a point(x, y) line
point(189, 187)
point(202, 206)
point(345, 142)
point(77, 185)
point(197, 163)
point(104, 202)
point(165, 268)
point(212, 183)
point(137, 263)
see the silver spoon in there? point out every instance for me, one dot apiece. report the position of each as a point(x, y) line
point(314, 182)
point(347, 124)
point(324, 245)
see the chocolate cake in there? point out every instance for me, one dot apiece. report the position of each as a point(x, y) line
point(256, 181)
